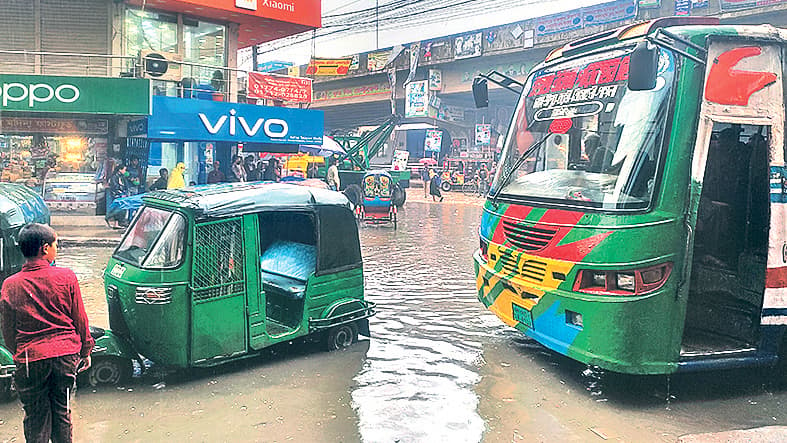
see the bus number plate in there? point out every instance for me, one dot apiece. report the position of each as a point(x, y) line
point(522, 315)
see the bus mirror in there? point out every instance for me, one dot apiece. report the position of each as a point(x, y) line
point(480, 92)
point(643, 67)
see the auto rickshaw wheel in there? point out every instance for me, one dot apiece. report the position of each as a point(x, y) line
point(398, 195)
point(341, 336)
point(109, 371)
point(5, 389)
point(445, 186)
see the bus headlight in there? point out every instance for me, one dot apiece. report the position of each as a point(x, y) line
point(630, 282)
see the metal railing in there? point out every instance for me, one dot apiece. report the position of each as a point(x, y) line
point(193, 81)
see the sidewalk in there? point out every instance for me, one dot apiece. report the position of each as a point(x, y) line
point(84, 230)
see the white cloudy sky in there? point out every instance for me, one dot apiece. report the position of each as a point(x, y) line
point(409, 23)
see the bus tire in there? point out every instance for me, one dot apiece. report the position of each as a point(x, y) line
point(398, 196)
point(341, 336)
point(445, 186)
point(353, 193)
point(109, 371)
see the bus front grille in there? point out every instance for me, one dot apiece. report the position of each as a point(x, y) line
point(526, 237)
point(532, 270)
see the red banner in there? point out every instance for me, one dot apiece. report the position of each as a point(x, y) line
point(279, 87)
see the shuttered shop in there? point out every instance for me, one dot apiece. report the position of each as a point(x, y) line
point(73, 26)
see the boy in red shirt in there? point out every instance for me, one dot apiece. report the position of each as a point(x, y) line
point(45, 326)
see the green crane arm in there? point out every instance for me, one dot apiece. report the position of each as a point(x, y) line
point(370, 143)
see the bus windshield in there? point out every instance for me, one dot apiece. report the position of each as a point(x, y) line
point(580, 137)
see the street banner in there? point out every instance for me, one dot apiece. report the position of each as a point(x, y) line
point(562, 22)
point(329, 66)
point(376, 60)
point(354, 91)
point(392, 86)
point(400, 159)
point(415, 102)
point(727, 5)
point(469, 45)
point(433, 140)
point(483, 134)
point(83, 95)
point(435, 80)
point(649, 4)
point(699, 4)
point(415, 51)
point(279, 87)
point(682, 7)
point(609, 12)
point(273, 66)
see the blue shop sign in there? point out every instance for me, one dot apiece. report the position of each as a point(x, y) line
point(136, 128)
point(187, 119)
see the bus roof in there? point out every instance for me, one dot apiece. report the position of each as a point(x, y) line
point(228, 199)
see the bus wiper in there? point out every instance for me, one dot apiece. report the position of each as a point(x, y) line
point(516, 166)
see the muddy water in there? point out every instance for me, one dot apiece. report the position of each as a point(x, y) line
point(438, 368)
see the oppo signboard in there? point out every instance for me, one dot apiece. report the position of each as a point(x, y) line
point(83, 95)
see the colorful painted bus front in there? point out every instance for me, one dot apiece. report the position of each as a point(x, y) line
point(644, 230)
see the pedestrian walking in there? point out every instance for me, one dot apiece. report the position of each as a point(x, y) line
point(434, 185)
point(45, 326)
point(332, 175)
point(176, 179)
point(216, 176)
point(118, 188)
point(425, 178)
point(483, 179)
point(161, 181)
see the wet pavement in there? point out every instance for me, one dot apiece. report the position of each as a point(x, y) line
point(439, 367)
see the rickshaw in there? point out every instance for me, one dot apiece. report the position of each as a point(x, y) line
point(209, 274)
point(19, 205)
point(376, 203)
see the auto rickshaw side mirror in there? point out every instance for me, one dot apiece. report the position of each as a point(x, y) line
point(480, 92)
point(643, 67)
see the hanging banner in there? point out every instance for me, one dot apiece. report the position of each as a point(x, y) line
point(483, 134)
point(415, 51)
point(326, 66)
point(555, 23)
point(466, 46)
point(279, 87)
point(699, 4)
point(376, 60)
point(609, 12)
point(392, 85)
point(435, 80)
point(727, 5)
point(682, 7)
point(433, 140)
point(649, 4)
point(415, 103)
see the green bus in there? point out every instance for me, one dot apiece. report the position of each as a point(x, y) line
point(637, 219)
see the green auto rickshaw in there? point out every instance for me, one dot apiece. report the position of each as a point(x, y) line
point(19, 205)
point(208, 274)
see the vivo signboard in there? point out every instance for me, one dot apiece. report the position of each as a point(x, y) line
point(83, 95)
point(189, 119)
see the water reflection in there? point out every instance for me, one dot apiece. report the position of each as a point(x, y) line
point(424, 358)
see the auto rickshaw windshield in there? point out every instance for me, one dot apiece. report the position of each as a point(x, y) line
point(156, 239)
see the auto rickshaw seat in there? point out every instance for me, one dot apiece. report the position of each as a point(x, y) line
point(286, 265)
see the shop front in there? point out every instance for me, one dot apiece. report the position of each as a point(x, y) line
point(199, 132)
point(57, 132)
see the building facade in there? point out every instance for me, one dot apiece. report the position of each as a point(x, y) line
point(74, 73)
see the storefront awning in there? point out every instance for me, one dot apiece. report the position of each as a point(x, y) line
point(260, 20)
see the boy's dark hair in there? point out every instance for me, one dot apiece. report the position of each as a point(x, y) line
point(162, 171)
point(33, 237)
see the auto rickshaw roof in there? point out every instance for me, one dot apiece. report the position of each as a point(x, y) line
point(20, 205)
point(228, 199)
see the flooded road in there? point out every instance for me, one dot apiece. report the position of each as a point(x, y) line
point(439, 367)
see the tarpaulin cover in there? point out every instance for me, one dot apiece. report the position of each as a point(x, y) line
point(20, 205)
point(228, 199)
